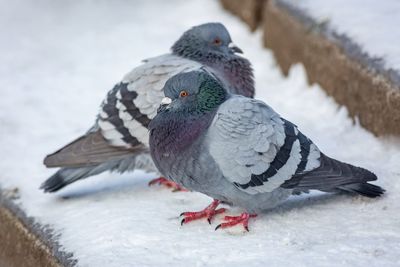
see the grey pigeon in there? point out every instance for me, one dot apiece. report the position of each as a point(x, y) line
point(238, 150)
point(118, 141)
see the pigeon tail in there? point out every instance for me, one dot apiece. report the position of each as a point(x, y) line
point(66, 176)
point(364, 189)
point(333, 176)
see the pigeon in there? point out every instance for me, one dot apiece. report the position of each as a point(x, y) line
point(239, 151)
point(118, 141)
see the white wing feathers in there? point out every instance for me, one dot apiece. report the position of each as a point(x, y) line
point(148, 80)
point(130, 106)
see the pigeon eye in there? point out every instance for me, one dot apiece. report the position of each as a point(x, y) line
point(217, 42)
point(183, 93)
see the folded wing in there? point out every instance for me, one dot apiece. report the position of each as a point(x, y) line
point(255, 148)
point(131, 104)
point(90, 149)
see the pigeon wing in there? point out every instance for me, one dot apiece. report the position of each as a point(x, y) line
point(121, 126)
point(255, 148)
point(89, 149)
point(131, 104)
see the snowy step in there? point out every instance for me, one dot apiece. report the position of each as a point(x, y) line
point(24, 242)
point(348, 47)
point(59, 60)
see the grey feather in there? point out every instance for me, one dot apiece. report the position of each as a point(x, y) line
point(88, 150)
point(66, 176)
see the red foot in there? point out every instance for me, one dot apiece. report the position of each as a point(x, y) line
point(208, 213)
point(234, 220)
point(164, 181)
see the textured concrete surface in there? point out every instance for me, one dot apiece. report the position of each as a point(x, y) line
point(24, 242)
point(249, 11)
point(370, 92)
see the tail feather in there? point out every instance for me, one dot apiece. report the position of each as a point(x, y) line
point(364, 189)
point(333, 176)
point(68, 175)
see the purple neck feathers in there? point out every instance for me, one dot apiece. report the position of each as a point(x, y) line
point(172, 135)
point(237, 73)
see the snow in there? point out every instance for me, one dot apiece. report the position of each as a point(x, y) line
point(58, 61)
point(371, 24)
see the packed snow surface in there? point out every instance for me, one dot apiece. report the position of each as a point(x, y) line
point(372, 24)
point(59, 58)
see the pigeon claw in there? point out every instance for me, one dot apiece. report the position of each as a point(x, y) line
point(209, 212)
point(169, 184)
point(231, 221)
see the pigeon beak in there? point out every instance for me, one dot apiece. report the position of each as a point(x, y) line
point(166, 101)
point(164, 104)
point(234, 49)
point(161, 108)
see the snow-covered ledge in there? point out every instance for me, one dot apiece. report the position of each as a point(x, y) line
point(348, 47)
point(24, 242)
point(250, 11)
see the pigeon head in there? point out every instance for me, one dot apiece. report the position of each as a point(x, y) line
point(205, 41)
point(190, 102)
point(194, 92)
point(210, 44)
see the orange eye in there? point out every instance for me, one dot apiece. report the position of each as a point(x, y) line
point(217, 41)
point(183, 93)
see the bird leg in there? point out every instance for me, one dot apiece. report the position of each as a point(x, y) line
point(209, 212)
point(234, 220)
point(168, 183)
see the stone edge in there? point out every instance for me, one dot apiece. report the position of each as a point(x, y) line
point(39, 242)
